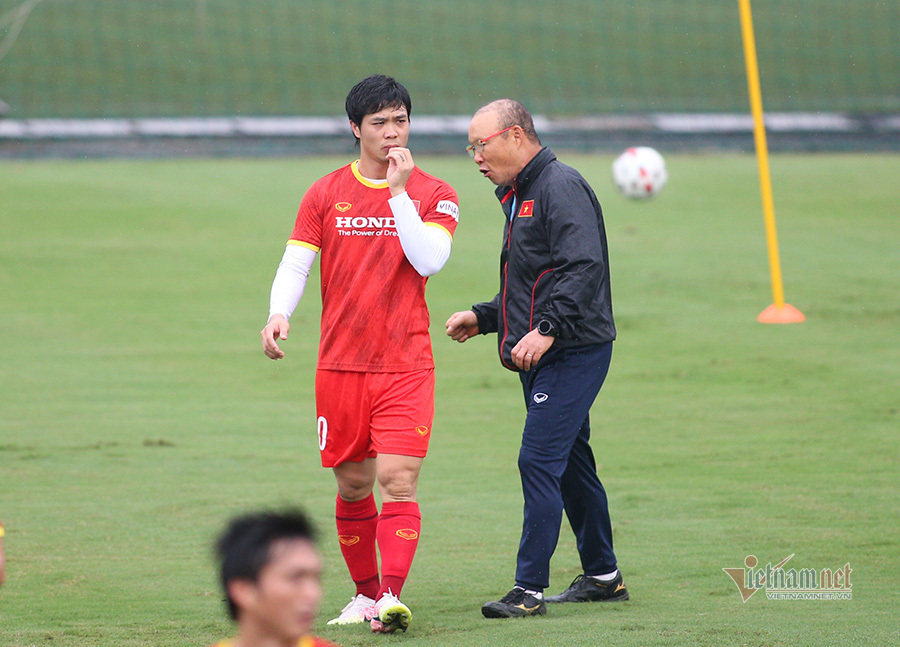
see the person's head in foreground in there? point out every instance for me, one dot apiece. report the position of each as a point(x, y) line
point(270, 570)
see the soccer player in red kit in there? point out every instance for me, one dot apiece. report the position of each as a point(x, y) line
point(381, 226)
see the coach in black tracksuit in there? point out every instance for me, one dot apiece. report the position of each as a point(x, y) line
point(553, 317)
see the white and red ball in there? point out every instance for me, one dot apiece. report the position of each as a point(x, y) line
point(640, 172)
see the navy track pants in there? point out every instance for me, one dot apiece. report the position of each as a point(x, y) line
point(557, 465)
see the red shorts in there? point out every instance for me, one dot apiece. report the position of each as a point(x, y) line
point(361, 415)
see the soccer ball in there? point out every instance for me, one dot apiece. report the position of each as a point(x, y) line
point(640, 172)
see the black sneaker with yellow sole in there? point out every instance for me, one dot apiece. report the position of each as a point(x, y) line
point(590, 589)
point(515, 604)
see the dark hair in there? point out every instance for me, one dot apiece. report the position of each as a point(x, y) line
point(245, 546)
point(375, 93)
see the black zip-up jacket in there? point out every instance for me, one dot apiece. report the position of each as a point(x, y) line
point(554, 265)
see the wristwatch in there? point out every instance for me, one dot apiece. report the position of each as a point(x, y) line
point(547, 328)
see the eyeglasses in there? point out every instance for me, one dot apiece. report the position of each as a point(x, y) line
point(478, 147)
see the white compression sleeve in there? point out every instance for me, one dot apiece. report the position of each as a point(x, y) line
point(426, 248)
point(290, 280)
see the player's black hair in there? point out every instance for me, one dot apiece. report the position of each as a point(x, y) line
point(245, 546)
point(375, 93)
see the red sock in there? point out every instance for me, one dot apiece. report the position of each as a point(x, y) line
point(398, 537)
point(356, 524)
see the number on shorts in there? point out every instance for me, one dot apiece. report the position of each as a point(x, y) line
point(322, 426)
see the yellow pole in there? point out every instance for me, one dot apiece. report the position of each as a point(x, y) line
point(779, 311)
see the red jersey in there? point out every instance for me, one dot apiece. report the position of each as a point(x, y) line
point(374, 316)
point(306, 641)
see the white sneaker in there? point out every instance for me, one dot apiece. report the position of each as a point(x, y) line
point(388, 615)
point(355, 611)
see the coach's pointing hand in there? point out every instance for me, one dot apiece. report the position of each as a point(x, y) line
point(277, 328)
point(462, 325)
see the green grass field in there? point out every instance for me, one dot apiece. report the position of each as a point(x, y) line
point(137, 411)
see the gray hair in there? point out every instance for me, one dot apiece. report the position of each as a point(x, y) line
point(512, 113)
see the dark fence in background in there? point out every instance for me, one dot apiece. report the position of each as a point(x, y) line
point(132, 59)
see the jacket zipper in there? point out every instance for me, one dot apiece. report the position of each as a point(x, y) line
point(512, 217)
